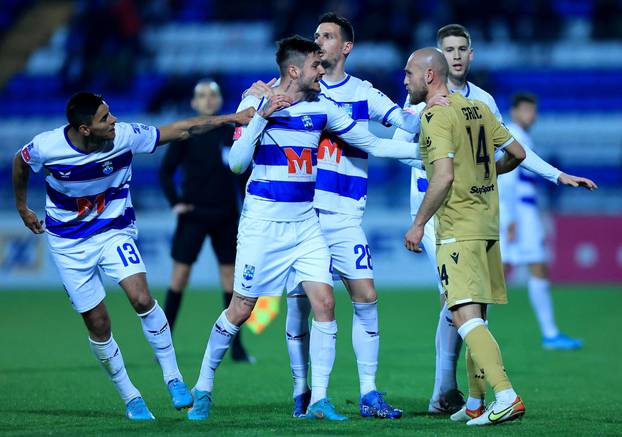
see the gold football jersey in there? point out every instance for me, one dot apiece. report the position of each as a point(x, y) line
point(469, 133)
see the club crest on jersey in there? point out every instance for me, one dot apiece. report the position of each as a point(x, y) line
point(249, 272)
point(107, 167)
point(307, 122)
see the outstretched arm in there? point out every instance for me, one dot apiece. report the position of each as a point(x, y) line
point(359, 137)
point(440, 183)
point(183, 129)
point(21, 173)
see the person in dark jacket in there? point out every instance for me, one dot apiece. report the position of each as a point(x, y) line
point(207, 204)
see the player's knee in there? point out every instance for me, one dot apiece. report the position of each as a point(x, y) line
point(143, 302)
point(99, 327)
point(324, 307)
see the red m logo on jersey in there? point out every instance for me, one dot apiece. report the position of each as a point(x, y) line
point(329, 150)
point(299, 164)
point(85, 206)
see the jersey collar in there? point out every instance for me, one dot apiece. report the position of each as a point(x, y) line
point(338, 84)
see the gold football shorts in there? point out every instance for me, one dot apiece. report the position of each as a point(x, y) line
point(471, 272)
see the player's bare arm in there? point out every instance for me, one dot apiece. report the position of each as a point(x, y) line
point(439, 186)
point(513, 156)
point(183, 129)
point(21, 173)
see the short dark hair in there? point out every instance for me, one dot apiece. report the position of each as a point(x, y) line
point(294, 50)
point(452, 30)
point(347, 31)
point(81, 108)
point(523, 97)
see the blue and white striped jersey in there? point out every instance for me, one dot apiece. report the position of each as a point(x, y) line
point(88, 193)
point(284, 152)
point(342, 170)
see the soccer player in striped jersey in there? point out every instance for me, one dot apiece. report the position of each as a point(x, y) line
point(340, 199)
point(90, 225)
point(280, 241)
point(522, 231)
point(454, 41)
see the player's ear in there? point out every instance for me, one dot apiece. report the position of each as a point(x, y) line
point(470, 55)
point(84, 130)
point(347, 47)
point(429, 76)
point(293, 71)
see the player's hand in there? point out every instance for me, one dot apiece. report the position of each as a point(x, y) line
point(182, 208)
point(244, 117)
point(576, 181)
point(436, 100)
point(261, 89)
point(512, 231)
point(31, 221)
point(413, 238)
point(275, 103)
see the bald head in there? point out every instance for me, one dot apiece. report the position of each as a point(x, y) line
point(426, 74)
point(431, 58)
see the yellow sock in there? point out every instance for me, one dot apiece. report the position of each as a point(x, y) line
point(486, 356)
point(476, 378)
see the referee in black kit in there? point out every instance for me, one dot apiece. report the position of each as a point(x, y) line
point(207, 205)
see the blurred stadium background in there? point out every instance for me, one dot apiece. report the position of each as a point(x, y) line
point(144, 56)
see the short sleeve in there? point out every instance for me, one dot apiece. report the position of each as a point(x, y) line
point(32, 156)
point(437, 128)
point(140, 138)
point(380, 106)
point(501, 136)
point(338, 121)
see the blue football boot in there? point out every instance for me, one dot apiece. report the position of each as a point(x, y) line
point(323, 409)
point(180, 395)
point(561, 342)
point(202, 405)
point(301, 403)
point(136, 409)
point(374, 405)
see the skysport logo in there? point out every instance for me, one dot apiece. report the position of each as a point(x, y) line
point(483, 189)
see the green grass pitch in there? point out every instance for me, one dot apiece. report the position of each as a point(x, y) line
point(50, 384)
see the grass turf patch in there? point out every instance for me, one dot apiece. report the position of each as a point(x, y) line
point(51, 384)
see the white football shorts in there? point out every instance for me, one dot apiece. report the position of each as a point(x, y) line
point(114, 252)
point(347, 243)
point(276, 256)
point(529, 245)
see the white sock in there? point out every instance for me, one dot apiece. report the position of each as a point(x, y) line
point(322, 350)
point(542, 304)
point(158, 334)
point(297, 338)
point(448, 344)
point(109, 355)
point(505, 397)
point(219, 341)
point(473, 403)
point(366, 343)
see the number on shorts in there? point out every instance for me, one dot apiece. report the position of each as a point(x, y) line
point(442, 273)
point(363, 262)
point(128, 249)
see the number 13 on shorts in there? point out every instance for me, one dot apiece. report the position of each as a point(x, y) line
point(128, 254)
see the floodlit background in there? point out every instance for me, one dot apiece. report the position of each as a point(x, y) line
point(145, 56)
